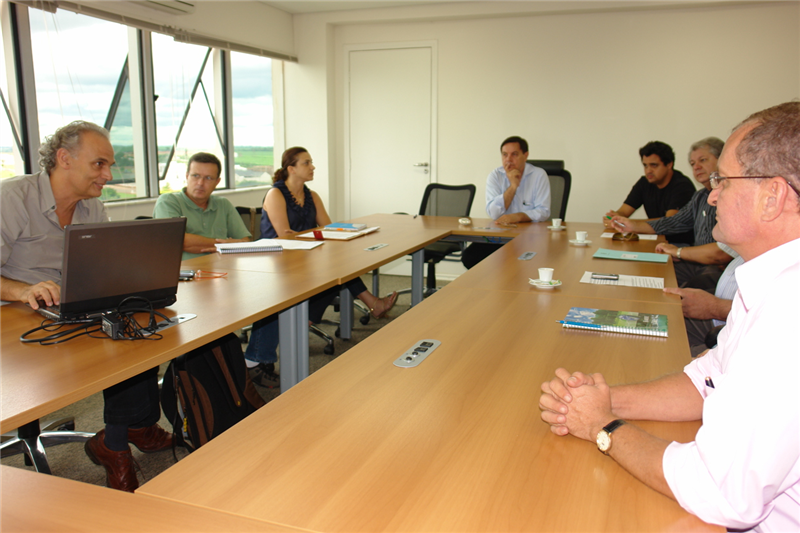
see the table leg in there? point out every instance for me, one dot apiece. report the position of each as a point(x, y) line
point(376, 282)
point(345, 314)
point(417, 281)
point(293, 329)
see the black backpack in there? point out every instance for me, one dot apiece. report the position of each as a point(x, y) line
point(208, 390)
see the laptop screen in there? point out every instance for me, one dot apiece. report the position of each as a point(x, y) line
point(106, 263)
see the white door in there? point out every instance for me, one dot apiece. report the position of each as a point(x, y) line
point(389, 130)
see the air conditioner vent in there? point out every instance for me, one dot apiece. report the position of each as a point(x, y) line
point(176, 7)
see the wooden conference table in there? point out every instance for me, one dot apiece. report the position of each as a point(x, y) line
point(38, 503)
point(455, 444)
point(37, 380)
point(346, 260)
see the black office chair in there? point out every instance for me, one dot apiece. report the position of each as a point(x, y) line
point(32, 441)
point(448, 201)
point(251, 216)
point(560, 185)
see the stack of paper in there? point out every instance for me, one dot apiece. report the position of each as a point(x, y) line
point(264, 245)
point(339, 235)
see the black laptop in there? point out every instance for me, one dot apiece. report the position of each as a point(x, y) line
point(106, 263)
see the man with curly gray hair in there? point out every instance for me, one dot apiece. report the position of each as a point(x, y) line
point(34, 209)
point(76, 163)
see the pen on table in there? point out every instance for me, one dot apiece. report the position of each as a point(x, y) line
point(709, 383)
point(620, 224)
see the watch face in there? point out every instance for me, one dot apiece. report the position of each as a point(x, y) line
point(603, 441)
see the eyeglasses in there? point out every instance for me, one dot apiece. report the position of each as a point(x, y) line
point(198, 177)
point(716, 180)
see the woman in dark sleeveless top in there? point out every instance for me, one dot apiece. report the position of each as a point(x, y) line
point(291, 207)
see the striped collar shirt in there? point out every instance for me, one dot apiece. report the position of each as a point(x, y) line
point(696, 215)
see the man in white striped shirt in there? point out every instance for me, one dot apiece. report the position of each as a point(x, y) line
point(699, 264)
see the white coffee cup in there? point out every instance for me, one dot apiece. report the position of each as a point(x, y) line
point(546, 274)
point(581, 235)
point(556, 222)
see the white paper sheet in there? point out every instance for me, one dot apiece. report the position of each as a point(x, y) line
point(626, 281)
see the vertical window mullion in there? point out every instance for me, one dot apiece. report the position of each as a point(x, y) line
point(223, 113)
point(22, 87)
point(140, 71)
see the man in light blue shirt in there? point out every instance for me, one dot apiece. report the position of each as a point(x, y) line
point(703, 311)
point(516, 192)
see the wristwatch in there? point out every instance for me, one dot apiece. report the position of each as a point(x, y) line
point(604, 436)
point(678, 253)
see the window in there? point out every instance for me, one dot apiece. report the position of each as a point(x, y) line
point(8, 167)
point(84, 70)
point(184, 85)
point(78, 80)
point(253, 126)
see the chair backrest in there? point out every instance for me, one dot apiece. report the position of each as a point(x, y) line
point(447, 200)
point(251, 216)
point(560, 184)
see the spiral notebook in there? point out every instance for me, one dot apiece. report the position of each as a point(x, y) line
point(616, 321)
point(261, 245)
point(264, 245)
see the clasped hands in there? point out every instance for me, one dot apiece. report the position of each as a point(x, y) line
point(577, 404)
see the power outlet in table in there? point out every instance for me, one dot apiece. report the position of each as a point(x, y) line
point(417, 353)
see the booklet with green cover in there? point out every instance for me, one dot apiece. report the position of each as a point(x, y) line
point(616, 321)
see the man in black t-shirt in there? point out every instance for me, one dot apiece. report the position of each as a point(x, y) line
point(662, 190)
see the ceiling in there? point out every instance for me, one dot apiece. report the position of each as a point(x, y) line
point(317, 6)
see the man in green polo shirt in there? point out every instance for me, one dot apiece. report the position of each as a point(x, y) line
point(209, 219)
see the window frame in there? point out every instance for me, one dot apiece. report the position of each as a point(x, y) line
point(22, 111)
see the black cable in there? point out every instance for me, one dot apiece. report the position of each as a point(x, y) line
point(52, 339)
point(130, 328)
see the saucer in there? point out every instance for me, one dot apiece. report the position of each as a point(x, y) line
point(544, 285)
point(576, 242)
point(556, 228)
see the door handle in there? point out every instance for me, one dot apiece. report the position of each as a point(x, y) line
point(421, 164)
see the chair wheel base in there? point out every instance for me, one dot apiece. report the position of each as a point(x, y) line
point(328, 350)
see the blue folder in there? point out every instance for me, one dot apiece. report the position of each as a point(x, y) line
point(646, 257)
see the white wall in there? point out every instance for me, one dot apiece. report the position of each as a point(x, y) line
point(243, 22)
point(586, 87)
